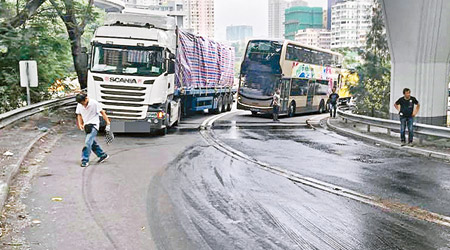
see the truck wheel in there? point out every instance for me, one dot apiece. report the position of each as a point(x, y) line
point(254, 113)
point(179, 116)
point(230, 102)
point(219, 108)
point(162, 131)
point(225, 103)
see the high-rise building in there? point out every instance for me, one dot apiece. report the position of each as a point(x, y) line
point(314, 37)
point(325, 19)
point(277, 10)
point(351, 21)
point(201, 17)
point(174, 8)
point(330, 5)
point(302, 17)
point(239, 33)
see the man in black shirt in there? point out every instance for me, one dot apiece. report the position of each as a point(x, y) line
point(333, 103)
point(405, 106)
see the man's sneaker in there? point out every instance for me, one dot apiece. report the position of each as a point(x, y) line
point(103, 158)
point(411, 144)
point(84, 164)
point(403, 143)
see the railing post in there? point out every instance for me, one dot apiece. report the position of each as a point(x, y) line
point(368, 128)
point(389, 131)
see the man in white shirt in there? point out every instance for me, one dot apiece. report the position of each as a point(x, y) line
point(88, 120)
point(276, 105)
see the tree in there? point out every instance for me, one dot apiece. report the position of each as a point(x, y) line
point(28, 11)
point(373, 92)
point(42, 38)
point(76, 15)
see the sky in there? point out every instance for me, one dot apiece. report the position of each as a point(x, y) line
point(247, 12)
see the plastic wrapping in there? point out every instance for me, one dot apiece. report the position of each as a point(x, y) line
point(203, 63)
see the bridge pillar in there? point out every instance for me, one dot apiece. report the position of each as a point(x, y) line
point(419, 41)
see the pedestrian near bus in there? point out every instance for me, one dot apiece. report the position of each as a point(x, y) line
point(276, 105)
point(408, 107)
point(334, 97)
point(88, 120)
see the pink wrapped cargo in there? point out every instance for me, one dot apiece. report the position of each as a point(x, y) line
point(204, 74)
point(203, 63)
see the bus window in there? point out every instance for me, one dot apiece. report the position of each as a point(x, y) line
point(299, 87)
point(305, 55)
point(322, 87)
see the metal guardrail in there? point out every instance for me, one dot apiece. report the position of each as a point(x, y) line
point(17, 114)
point(422, 129)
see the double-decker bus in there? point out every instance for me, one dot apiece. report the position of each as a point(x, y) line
point(304, 75)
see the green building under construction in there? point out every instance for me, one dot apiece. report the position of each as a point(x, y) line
point(302, 17)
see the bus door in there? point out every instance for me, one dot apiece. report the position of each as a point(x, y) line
point(284, 86)
point(311, 93)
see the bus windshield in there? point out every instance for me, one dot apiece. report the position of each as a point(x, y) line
point(261, 68)
point(122, 60)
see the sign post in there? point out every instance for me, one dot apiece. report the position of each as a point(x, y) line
point(28, 76)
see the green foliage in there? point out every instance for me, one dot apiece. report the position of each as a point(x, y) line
point(43, 39)
point(352, 59)
point(239, 48)
point(373, 92)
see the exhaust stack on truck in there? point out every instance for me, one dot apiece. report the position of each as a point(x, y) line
point(147, 73)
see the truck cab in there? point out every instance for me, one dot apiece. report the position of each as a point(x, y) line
point(132, 72)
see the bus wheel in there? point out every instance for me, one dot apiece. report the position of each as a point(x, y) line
point(291, 111)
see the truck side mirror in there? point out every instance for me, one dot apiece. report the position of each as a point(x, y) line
point(172, 56)
point(171, 67)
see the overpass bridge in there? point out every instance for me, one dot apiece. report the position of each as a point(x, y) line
point(419, 40)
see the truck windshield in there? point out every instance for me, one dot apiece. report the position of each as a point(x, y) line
point(122, 60)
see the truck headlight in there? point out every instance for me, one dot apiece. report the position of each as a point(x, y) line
point(160, 115)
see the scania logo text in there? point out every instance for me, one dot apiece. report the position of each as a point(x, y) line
point(124, 80)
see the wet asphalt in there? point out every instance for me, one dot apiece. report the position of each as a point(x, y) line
point(180, 192)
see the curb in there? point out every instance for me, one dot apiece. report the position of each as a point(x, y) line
point(261, 126)
point(408, 149)
point(4, 187)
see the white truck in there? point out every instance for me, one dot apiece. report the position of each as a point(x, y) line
point(147, 73)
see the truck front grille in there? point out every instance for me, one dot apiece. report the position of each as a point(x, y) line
point(132, 88)
point(122, 93)
point(123, 99)
point(120, 104)
point(124, 102)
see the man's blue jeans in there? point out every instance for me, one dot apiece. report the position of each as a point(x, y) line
point(407, 122)
point(333, 109)
point(91, 144)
